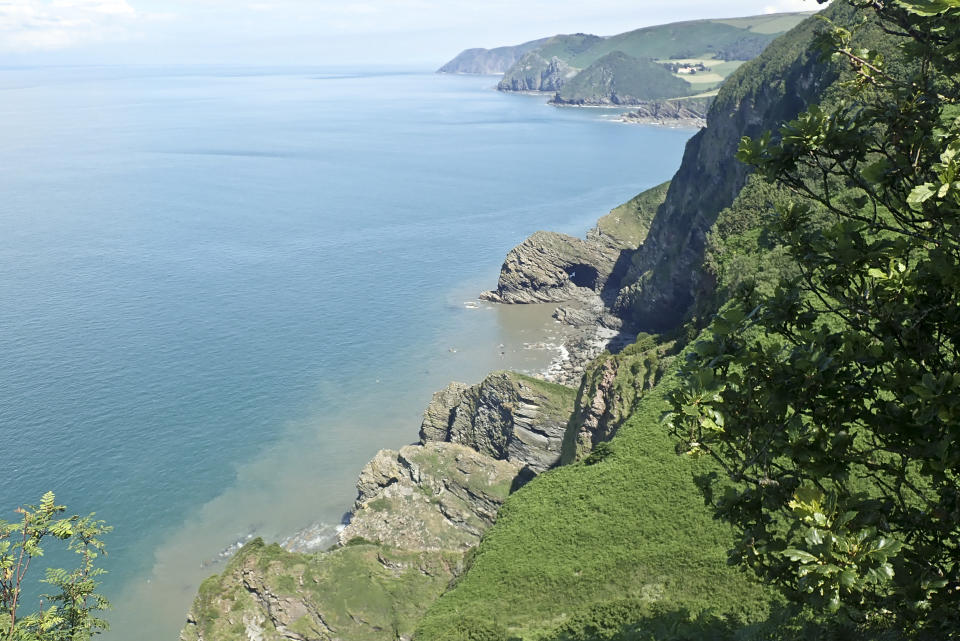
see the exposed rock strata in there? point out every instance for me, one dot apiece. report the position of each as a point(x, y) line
point(507, 417)
point(417, 511)
point(439, 496)
point(669, 113)
point(611, 387)
point(665, 275)
point(552, 268)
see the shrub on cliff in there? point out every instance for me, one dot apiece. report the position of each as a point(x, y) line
point(72, 609)
point(832, 405)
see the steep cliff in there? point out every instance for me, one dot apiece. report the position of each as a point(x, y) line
point(660, 284)
point(611, 390)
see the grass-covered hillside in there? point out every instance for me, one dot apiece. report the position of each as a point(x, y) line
point(735, 39)
point(698, 54)
point(621, 79)
point(620, 539)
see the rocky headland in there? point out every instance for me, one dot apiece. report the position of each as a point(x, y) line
point(419, 509)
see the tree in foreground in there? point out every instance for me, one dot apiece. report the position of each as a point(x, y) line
point(71, 611)
point(834, 405)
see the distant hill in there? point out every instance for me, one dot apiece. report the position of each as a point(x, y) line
point(620, 79)
point(489, 61)
point(702, 53)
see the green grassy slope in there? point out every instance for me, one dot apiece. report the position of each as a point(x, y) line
point(626, 528)
point(620, 79)
point(769, 23)
point(567, 47)
point(380, 593)
point(629, 223)
point(719, 44)
point(699, 38)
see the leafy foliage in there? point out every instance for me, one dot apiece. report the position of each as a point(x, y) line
point(72, 613)
point(832, 403)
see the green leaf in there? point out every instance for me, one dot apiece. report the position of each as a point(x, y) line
point(921, 194)
point(928, 7)
point(800, 555)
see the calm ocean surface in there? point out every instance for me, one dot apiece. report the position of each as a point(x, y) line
point(223, 290)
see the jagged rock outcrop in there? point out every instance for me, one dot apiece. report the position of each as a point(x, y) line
point(437, 496)
point(552, 268)
point(507, 416)
point(533, 72)
point(417, 511)
point(691, 112)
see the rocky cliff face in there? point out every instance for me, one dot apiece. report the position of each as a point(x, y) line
point(550, 268)
point(438, 496)
point(533, 72)
point(662, 280)
point(612, 386)
point(690, 112)
point(507, 417)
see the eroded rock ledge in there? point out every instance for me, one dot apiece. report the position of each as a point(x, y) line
point(670, 113)
point(551, 268)
point(508, 417)
point(433, 497)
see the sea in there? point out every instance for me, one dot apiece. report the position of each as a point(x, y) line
point(223, 289)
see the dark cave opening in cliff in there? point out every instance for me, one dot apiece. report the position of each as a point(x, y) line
point(583, 275)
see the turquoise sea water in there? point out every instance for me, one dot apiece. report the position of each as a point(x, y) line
point(222, 290)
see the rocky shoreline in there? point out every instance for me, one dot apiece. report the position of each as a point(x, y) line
point(419, 509)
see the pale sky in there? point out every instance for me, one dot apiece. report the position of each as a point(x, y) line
point(321, 32)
